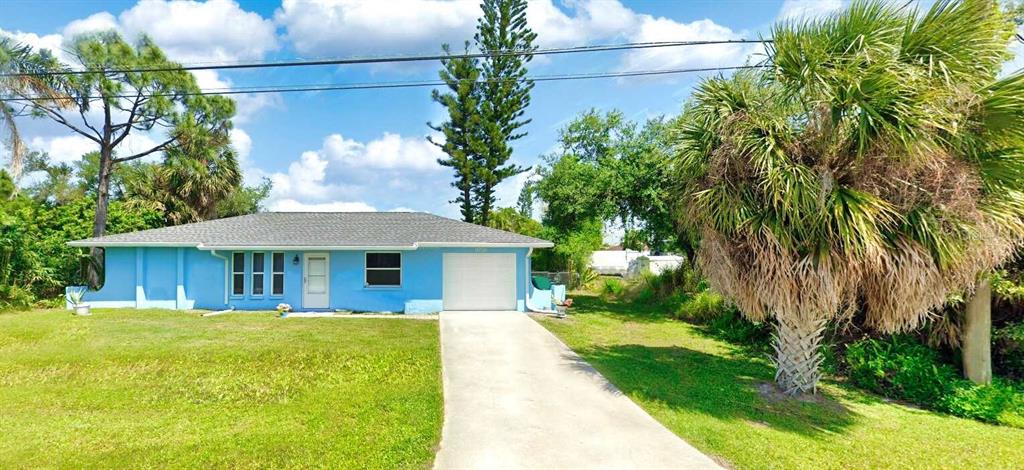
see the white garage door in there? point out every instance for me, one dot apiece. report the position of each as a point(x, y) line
point(479, 281)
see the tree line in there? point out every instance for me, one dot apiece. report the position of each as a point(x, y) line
point(191, 172)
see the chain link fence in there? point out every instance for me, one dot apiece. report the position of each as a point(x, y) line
point(568, 279)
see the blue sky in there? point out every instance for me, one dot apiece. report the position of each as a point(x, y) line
point(366, 150)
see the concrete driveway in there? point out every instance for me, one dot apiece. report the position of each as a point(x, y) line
point(516, 397)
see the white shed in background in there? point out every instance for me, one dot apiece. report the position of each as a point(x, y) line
point(614, 262)
point(654, 264)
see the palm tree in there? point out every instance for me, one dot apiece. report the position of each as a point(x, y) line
point(875, 164)
point(198, 172)
point(15, 60)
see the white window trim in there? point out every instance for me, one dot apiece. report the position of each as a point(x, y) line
point(400, 268)
point(284, 262)
point(234, 273)
point(253, 273)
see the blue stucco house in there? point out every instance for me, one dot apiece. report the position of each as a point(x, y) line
point(370, 261)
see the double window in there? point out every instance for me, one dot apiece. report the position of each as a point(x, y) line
point(383, 269)
point(238, 274)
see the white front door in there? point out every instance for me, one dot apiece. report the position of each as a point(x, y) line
point(479, 281)
point(316, 281)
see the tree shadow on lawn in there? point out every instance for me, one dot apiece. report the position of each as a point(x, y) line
point(727, 388)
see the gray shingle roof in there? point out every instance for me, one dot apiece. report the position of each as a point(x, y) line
point(320, 230)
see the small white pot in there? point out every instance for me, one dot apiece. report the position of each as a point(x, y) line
point(82, 310)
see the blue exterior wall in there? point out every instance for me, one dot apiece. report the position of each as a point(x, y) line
point(186, 278)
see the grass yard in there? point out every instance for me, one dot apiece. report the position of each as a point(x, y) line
point(161, 388)
point(706, 391)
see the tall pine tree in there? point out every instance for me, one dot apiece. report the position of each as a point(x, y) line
point(504, 93)
point(463, 134)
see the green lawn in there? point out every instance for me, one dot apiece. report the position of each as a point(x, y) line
point(706, 391)
point(161, 388)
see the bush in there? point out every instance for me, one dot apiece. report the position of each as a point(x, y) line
point(999, 402)
point(900, 368)
point(612, 287)
point(701, 307)
point(16, 298)
point(733, 327)
point(1008, 350)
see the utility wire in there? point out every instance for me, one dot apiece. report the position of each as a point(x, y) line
point(403, 84)
point(394, 59)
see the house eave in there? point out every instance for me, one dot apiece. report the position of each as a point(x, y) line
point(200, 246)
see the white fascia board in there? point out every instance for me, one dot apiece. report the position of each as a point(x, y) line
point(87, 243)
point(485, 245)
point(302, 248)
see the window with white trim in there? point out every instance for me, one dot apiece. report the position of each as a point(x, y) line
point(277, 274)
point(238, 273)
point(383, 269)
point(258, 268)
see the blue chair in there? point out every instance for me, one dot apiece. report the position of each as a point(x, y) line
point(544, 296)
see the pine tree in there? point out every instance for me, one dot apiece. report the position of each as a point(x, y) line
point(504, 94)
point(462, 131)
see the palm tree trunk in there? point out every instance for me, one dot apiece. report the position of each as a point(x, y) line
point(977, 335)
point(16, 144)
point(797, 357)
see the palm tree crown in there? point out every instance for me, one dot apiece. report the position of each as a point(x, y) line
point(876, 163)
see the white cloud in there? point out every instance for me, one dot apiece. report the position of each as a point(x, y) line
point(193, 32)
point(304, 179)
point(360, 27)
point(242, 143)
point(592, 19)
point(51, 42)
point(63, 149)
point(807, 9)
point(97, 22)
point(291, 205)
point(189, 31)
point(662, 29)
point(343, 169)
point(355, 26)
point(352, 27)
point(390, 152)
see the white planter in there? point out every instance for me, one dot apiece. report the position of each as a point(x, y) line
point(82, 309)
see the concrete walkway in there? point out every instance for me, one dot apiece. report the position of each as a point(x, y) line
point(517, 398)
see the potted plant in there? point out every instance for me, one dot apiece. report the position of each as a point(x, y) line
point(77, 299)
point(283, 309)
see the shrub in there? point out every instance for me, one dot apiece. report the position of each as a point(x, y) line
point(612, 287)
point(16, 298)
point(998, 402)
point(733, 327)
point(901, 368)
point(1008, 350)
point(701, 307)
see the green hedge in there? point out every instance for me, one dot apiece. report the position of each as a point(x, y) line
point(902, 368)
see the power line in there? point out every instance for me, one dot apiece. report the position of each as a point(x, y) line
point(394, 59)
point(404, 84)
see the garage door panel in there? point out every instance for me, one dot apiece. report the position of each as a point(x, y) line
point(479, 281)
